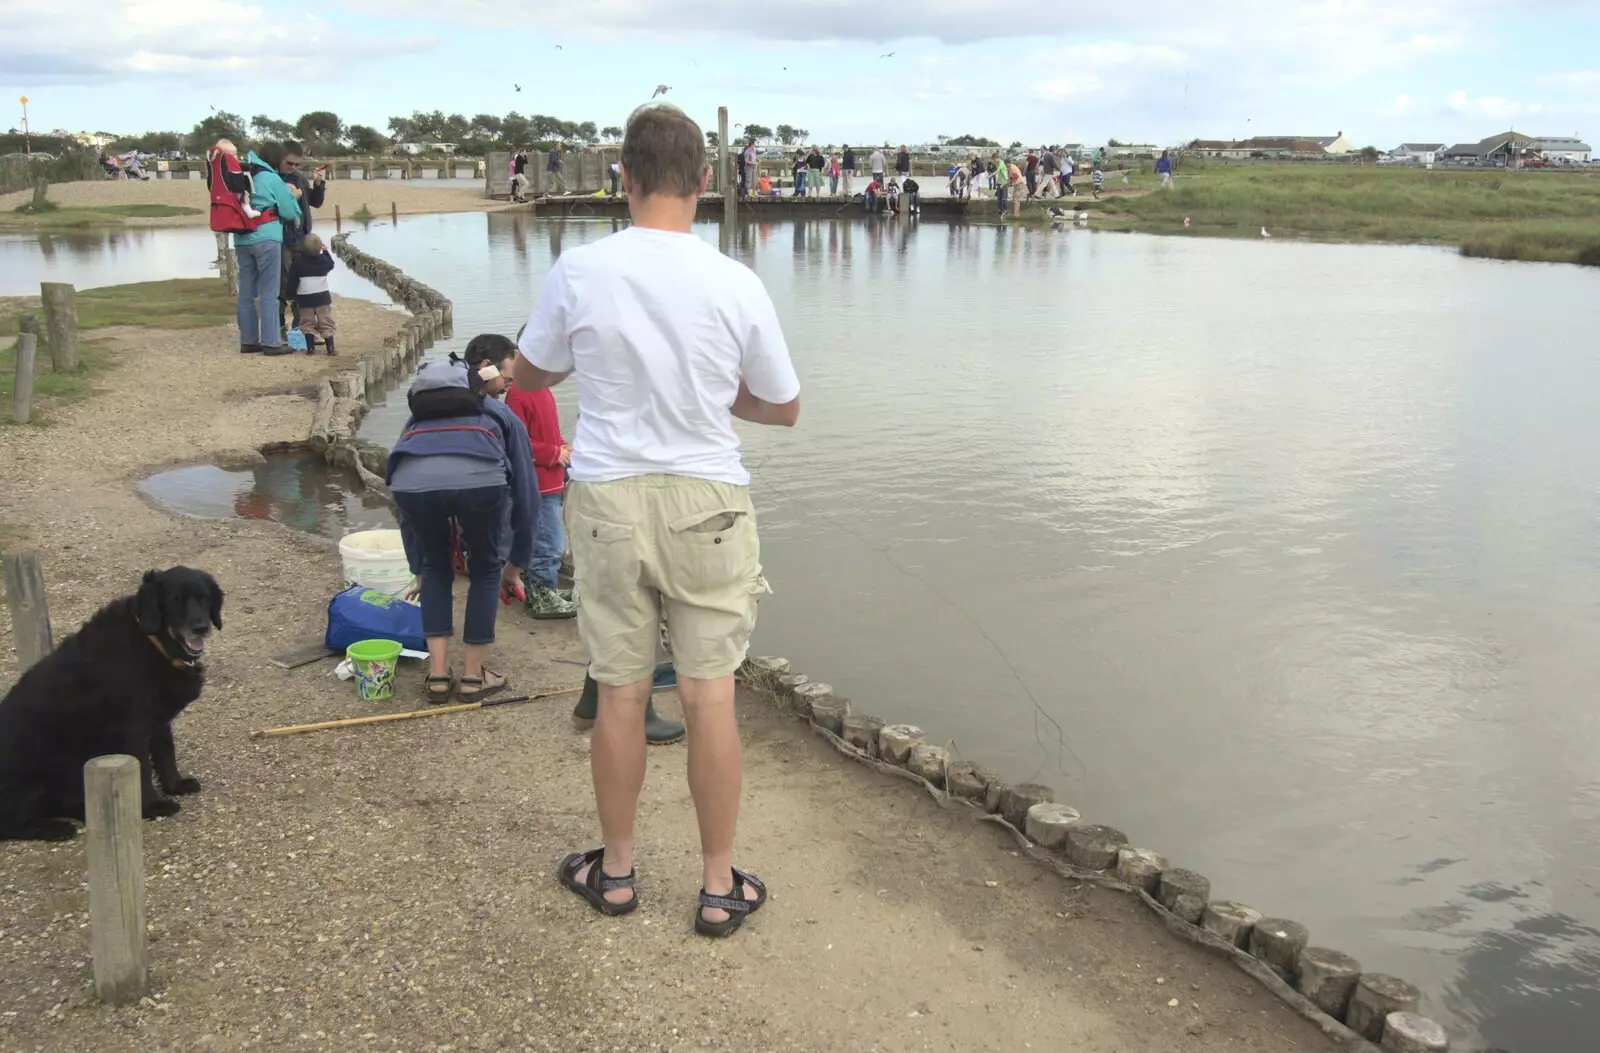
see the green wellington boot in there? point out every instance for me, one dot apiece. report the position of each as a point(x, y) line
point(658, 731)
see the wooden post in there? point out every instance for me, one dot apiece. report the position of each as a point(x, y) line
point(338, 220)
point(61, 322)
point(222, 247)
point(22, 393)
point(113, 807)
point(726, 180)
point(233, 272)
point(394, 213)
point(30, 614)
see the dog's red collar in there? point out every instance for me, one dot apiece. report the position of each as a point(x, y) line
point(177, 663)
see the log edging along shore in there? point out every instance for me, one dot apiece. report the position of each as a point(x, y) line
point(343, 399)
point(1366, 1008)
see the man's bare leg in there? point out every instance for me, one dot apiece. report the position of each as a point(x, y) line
point(616, 760)
point(715, 779)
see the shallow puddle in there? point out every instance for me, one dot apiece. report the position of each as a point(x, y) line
point(296, 489)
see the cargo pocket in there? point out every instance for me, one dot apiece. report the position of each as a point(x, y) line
point(604, 556)
point(714, 546)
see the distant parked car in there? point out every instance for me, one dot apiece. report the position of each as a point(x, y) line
point(1535, 162)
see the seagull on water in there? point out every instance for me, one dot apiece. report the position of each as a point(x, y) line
point(661, 89)
point(1264, 233)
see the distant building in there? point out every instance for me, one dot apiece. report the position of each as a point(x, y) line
point(1328, 144)
point(1421, 153)
point(1561, 148)
point(1279, 146)
point(1506, 148)
point(1133, 150)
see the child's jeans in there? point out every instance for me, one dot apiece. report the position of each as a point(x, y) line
point(549, 541)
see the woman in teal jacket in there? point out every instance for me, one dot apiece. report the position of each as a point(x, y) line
point(259, 253)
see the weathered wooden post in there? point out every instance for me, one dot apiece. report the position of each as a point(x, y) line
point(222, 247)
point(22, 392)
point(338, 220)
point(30, 614)
point(394, 213)
point(61, 322)
point(113, 808)
point(726, 180)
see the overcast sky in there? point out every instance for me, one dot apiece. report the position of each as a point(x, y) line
point(1162, 71)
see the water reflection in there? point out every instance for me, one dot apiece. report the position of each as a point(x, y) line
point(299, 491)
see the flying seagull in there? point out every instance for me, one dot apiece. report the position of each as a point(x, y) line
point(558, 47)
point(517, 86)
point(889, 55)
point(661, 89)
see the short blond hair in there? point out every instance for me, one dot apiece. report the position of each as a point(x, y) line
point(312, 245)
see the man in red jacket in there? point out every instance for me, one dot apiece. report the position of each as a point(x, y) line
point(551, 454)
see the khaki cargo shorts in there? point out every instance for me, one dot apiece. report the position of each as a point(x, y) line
point(657, 547)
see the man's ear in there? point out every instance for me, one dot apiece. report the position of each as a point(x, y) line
point(147, 604)
point(216, 604)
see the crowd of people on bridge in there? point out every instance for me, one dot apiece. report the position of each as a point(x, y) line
point(1044, 173)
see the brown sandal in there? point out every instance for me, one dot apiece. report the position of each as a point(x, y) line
point(438, 689)
point(475, 688)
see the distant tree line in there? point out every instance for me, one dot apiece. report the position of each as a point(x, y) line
point(325, 134)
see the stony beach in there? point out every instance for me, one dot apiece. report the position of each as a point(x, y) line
point(409, 196)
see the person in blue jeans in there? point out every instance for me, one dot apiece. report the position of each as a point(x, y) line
point(462, 456)
point(260, 253)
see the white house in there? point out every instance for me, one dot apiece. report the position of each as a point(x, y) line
point(1419, 153)
point(1561, 148)
point(1133, 150)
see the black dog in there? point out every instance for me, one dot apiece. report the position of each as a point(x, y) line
point(113, 687)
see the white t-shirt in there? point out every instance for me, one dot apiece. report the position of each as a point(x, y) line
point(658, 328)
point(877, 161)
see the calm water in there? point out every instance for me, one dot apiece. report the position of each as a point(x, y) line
point(1280, 557)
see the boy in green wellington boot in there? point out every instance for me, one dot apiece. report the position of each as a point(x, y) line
point(658, 731)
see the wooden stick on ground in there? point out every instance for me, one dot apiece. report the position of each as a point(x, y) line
point(414, 714)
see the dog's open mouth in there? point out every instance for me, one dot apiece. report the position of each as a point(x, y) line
point(193, 644)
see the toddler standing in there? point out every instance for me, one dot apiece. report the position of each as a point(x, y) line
point(308, 288)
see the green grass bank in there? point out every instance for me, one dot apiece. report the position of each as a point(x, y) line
point(182, 303)
point(1551, 216)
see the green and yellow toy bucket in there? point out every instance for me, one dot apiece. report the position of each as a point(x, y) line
point(374, 662)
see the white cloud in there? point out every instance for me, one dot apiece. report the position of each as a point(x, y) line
point(1492, 107)
point(1578, 82)
point(40, 41)
point(1402, 103)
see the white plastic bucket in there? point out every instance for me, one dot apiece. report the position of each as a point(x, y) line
point(375, 559)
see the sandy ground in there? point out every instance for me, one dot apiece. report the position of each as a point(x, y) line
point(409, 196)
point(391, 887)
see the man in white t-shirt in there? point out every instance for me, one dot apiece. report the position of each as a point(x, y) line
point(670, 340)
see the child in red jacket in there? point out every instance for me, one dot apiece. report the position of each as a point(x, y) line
point(551, 454)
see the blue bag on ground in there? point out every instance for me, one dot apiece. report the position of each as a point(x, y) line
point(360, 613)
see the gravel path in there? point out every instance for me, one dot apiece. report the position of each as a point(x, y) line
point(390, 888)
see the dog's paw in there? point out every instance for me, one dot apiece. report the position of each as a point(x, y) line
point(187, 784)
point(160, 808)
point(51, 830)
